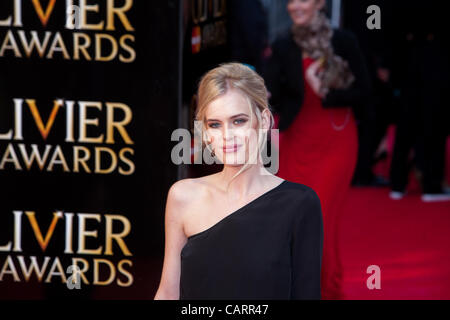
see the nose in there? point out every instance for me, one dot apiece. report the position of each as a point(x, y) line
point(228, 134)
point(294, 5)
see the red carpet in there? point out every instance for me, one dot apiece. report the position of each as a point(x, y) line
point(408, 239)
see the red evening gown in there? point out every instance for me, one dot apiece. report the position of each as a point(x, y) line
point(319, 150)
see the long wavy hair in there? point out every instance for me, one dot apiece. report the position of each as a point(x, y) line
point(315, 40)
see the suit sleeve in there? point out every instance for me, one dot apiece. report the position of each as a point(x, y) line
point(248, 31)
point(306, 250)
point(360, 90)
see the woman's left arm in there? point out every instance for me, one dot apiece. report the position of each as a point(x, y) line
point(307, 243)
point(361, 88)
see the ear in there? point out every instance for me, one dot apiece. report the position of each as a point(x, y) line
point(265, 118)
point(207, 139)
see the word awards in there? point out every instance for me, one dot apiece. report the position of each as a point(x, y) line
point(76, 137)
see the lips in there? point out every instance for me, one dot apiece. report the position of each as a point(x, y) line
point(231, 148)
point(297, 13)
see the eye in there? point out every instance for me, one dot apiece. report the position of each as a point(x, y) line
point(213, 125)
point(240, 121)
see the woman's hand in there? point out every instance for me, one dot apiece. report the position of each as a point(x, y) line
point(312, 77)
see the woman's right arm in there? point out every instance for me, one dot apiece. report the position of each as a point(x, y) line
point(175, 239)
point(361, 88)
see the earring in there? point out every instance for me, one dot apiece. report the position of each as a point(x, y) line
point(213, 154)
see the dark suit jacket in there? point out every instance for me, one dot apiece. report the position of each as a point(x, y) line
point(247, 31)
point(284, 77)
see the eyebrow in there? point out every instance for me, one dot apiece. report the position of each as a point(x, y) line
point(235, 116)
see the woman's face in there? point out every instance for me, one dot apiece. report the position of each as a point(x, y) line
point(232, 128)
point(302, 12)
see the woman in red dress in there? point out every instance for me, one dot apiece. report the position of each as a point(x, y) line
point(317, 76)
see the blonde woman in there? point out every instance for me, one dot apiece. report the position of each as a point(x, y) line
point(242, 233)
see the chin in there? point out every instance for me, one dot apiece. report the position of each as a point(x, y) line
point(233, 160)
point(302, 22)
point(233, 165)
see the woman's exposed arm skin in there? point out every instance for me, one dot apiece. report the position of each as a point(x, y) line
point(175, 239)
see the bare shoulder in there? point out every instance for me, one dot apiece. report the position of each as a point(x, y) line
point(186, 193)
point(179, 192)
point(186, 190)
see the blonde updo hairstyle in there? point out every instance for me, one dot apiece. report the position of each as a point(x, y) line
point(235, 76)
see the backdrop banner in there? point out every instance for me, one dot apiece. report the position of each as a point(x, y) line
point(90, 92)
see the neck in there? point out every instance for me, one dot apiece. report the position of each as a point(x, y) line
point(245, 182)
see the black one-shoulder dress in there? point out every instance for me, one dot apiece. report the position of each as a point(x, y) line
point(269, 249)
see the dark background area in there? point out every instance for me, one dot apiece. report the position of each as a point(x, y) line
point(150, 87)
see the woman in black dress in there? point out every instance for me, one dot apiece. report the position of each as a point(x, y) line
point(318, 78)
point(242, 233)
